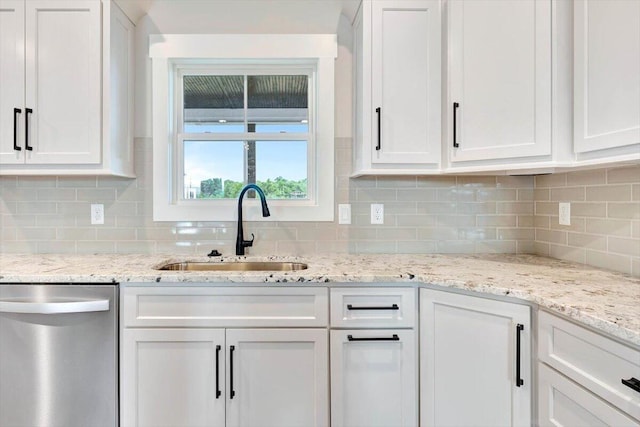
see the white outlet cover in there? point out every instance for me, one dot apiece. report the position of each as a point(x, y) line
point(97, 214)
point(377, 213)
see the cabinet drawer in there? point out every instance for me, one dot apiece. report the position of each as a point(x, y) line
point(373, 307)
point(592, 360)
point(563, 403)
point(195, 306)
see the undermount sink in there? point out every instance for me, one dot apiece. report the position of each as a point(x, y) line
point(235, 266)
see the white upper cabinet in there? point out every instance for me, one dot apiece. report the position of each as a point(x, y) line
point(59, 73)
point(11, 80)
point(607, 78)
point(397, 82)
point(499, 72)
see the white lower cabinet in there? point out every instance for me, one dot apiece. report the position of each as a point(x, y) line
point(171, 377)
point(181, 367)
point(374, 367)
point(585, 378)
point(563, 403)
point(373, 378)
point(277, 378)
point(475, 361)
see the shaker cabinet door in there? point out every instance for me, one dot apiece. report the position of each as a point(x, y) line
point(277, 378)
point(12, 82)
point(63, 81)
point(172, 377)
point(606, 74)
point(499, 103)
point(374, 378)
point(405, 76)
point(475, 361)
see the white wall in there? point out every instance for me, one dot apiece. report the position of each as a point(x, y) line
point(246, 16)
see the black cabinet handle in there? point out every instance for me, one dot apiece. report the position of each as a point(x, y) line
point(632, 383)
point(232, 391)
point(394, 337)
point(16, 111)
point(218, 392)
point(389, 307)
point(26, 129)
point(519, 380)
point(455, 125)
point(379, 111)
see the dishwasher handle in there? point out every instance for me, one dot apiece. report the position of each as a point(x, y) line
point(54, 307)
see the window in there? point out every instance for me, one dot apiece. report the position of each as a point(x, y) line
point(237, 127)
point(236, 109)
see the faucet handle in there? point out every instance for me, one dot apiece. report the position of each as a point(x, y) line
point(247, 243)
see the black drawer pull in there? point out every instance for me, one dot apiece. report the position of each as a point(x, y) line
point(632, 383)
point(379, 111)
point(455, 125)
point(392, 338)
point(16, 111)
point(26, 129)
point(218, 392)
point(519, 380)
point(388, 307)
point(232, 393)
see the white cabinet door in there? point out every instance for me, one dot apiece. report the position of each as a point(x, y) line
point(565, 404)
point(373, 378)
point(606, 74)
point(277, 378)
point(63, 81)
point(499, 79)
point(470, 361)
point(11, 81)
point(171, 377)
point(397, 63)
point(405, 77)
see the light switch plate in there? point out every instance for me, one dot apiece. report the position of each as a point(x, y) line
point(564, 213)
point(344, 213)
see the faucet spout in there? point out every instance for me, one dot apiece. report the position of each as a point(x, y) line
point(240, 242)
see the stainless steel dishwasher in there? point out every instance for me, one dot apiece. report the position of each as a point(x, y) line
point(58, 355)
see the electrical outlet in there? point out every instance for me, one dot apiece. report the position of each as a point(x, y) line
point(564, 213)
point(344, 213)
point(97, 214)
point(377, 213)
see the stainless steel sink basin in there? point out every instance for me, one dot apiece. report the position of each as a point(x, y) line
point(235, 266)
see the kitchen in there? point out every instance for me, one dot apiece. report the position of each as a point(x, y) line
point(505, 210)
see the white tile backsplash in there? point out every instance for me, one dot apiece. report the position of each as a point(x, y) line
point(424, 214)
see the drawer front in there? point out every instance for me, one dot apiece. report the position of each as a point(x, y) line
point(563, 403)
point(194, 306)
point(373, 307)
point(592, 360)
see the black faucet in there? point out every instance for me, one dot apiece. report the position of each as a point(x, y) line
point(240, 242)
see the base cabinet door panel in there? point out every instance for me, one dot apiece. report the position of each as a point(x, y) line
point(169, 378)
point(563, 403)
point(472, 356)
point(277, 378)
point(373, 378)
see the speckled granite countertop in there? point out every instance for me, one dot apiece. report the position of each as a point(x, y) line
point(605, 300)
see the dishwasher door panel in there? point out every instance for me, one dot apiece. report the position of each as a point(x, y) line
point(58, 369)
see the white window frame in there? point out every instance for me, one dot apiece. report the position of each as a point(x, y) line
point(171, 53)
